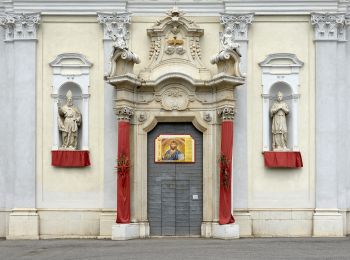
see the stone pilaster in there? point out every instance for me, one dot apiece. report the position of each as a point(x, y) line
point(236, 29)
point(112, 24)
point(20, 38)
point(330, 35)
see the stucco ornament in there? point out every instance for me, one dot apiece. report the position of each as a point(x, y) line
point(20, 26)
point(278, 112)
point(330, 26)
point(227, 112)
point(115, 27)
point(124, 112)
point(68, 123)
point(174, 99)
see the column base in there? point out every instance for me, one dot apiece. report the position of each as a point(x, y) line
point(23, 224)
point(130, 231)
point(107, 220)
point(229, 231)
point(328, 223)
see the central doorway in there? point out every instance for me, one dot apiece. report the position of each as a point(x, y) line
point(175, 190)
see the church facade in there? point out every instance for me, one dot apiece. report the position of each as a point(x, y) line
point(174, 119)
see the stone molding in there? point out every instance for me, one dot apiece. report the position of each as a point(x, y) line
point(330, 26)
point(20, 26)
point(115, 27)
point(123, 112)
point(227, 112)
point(235, 28)
point(150, 7)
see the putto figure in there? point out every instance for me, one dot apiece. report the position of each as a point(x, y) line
point(278, 112)
point(173, 153)
point(68, 122)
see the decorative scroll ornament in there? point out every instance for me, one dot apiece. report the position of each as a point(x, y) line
point(20, 26)
point(115, 27)
point(124, 112)
point(330, 26)
point(227, 112)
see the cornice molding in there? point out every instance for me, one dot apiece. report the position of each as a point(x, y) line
point(330, 26)
point(151, 7)
point(20, 26)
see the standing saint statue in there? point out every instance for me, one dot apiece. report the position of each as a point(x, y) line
point(68, 122)
point(278, 112)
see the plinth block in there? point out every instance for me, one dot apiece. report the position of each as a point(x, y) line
point(129, 231)
point(228, 231)
point(23, 224)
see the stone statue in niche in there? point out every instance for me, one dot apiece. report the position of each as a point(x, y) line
point(279, 111)
point(69, 121)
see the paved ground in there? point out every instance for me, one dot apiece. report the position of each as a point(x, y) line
point(179, 248)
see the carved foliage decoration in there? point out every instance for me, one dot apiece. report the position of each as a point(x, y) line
point(235, 29)
point(330, 26)
point(115, 27)
point(20, 26)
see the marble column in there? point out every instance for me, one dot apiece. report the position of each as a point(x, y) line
point(20, 38)
point(110, 23)
point(238, 25)
point(329, 31)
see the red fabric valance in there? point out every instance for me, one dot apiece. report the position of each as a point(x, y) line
point(64, 158)
point(283, 160)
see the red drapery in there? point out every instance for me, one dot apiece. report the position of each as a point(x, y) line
point(225, 216)
point(123, 169)
point(64, 158)
point(283, 159)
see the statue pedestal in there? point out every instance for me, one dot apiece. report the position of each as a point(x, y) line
point(328, 223)
point(228, 231)
point(130, 231)
point(23, 224)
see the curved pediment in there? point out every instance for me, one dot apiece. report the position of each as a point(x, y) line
point(175, 47)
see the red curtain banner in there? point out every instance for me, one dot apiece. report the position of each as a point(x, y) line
point(225, 216)
point(64, 158)
point(283, 160)
point(123, 169)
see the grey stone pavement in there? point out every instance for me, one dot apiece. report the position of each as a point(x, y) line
point(178, 248)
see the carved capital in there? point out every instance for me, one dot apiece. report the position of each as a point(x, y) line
point(123, 112)
point(20, 26)
point(115, 27)
point(227, 112)
point(330, 26)
point(235, 29)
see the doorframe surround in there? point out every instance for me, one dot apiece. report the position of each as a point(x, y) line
point(175, 87)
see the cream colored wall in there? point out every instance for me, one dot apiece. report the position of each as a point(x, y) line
point(281, 188)
point(69, 187)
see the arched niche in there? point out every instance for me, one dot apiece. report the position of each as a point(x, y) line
point(71, 71)
point(280, 72)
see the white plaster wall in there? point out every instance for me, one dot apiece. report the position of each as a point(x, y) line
point(345, 149)
point(70, 187)
point(281, 188)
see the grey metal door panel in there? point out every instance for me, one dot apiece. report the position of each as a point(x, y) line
point(172, 209)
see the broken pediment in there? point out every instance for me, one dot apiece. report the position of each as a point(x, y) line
point(175, 48)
